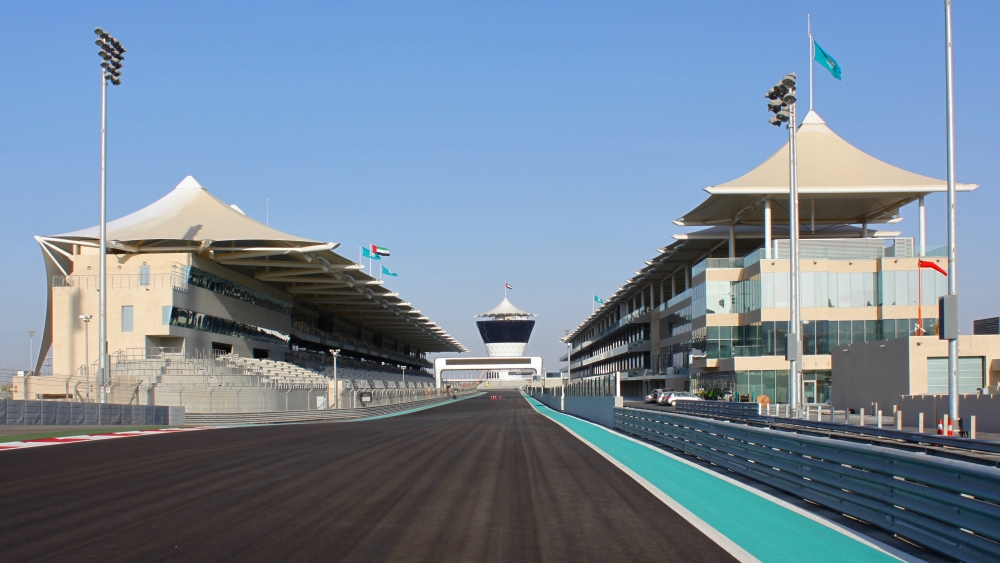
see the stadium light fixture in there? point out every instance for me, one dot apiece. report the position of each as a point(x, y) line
point(781, 102)
point(112, 53)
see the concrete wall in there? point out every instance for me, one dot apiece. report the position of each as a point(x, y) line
point(885, 370)
point(148, 330)
point(595, 409)
point(986, 409)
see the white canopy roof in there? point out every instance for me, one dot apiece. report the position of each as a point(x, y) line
point(848, 185)
point(506, 309)
point(188, 212)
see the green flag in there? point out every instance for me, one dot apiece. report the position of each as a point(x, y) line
point(825, 60)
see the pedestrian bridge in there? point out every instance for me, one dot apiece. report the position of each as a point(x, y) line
point(441, 365)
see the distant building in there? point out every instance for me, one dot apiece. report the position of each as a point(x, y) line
point(505, 330)
point(711, 310)
point(986, 326)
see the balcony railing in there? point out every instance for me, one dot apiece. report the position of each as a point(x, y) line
point(123, 281)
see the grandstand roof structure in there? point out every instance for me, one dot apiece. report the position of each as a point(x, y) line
point(839, 187)
point(191, 219)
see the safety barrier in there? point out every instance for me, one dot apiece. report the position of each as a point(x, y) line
point(239, 419)
point(949, 506)
point(36, 413)
point(718, 408)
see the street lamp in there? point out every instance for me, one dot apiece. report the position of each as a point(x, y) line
point(86, 349)
point(112, 54)
point(31, 347)
point(781, 102)
point(336, 386)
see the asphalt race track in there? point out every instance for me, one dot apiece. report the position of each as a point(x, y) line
point(476, 480)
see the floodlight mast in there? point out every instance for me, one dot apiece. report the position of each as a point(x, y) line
point(112, 53)
point(781, 102)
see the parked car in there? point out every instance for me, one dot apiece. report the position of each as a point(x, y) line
point(672, 397)
point(655, 395)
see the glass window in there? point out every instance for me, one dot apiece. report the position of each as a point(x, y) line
point(756, 387)
point(869, 290)
point(725, 333)
point(768, 380)
point(821, 291)
point(781, 289)
point(831, 294)
point(902, 283)
point(712, 349)
point(725, 349)
point(167, 310)
point(780, 337)
point(809, 339)
point(845, 333)
point(767, 289)
point(742, 382)
point(127, 318)
point(912, 288)
point(781, 384)
point(822, 338)
point(808, 289)
point(870, 331)
point(143, 275)
point(888, 296)
point(857, 331)
point(767, 338)
point(844, 290)
point(927, 288)
point(903, 328)
point(712, 332)
point(857, 289)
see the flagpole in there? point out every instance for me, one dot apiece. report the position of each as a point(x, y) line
point(812, 55)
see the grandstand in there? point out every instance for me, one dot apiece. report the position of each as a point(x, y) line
point(199, 295)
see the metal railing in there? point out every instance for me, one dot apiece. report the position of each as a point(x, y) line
point(718, 408)
point(949, 506)
point(123, 281)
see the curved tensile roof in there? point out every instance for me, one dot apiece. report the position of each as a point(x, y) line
point(506, 309)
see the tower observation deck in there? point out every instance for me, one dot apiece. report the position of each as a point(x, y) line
point(505, 330)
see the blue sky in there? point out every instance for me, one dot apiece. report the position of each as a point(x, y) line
point(547, 145)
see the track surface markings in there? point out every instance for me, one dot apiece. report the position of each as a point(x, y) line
point(761, 526)
point(38, 442)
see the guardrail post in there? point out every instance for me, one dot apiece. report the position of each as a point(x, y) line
point(972, 427)
point(920, 423)
point(862, 416)
point(899, 419)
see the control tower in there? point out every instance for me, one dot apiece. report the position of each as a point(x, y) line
point(505, 330)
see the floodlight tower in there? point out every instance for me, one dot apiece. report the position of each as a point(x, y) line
point(112, 53)
point(781, 101)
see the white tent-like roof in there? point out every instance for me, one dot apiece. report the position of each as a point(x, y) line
point(506, 309)
point(846, 185)
point(190, 219)
point(188, 213)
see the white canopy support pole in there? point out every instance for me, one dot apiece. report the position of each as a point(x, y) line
point(864, 228)
point(732, 241)
point(923, 227)
point(651, 302)
point(812, 215)
point(812, 55)
point(687, 277)
point(767, 228)
point(673, 285)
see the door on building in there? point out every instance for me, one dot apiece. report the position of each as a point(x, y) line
point(970, 375)
point(808, 392)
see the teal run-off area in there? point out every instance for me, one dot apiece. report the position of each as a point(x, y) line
point(764, 529)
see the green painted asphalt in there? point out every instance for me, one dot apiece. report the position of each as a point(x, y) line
point(766, 530)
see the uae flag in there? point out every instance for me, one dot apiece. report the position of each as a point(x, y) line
point(380, 250)
point(507, 286)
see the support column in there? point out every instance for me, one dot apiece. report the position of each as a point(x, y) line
point(812, 215)
point(687, 277)
point(864, 228)
point(923, 228)
point(661, 293)
point(651, 302)
point(767, 228)
point(673, 284)
point(732, 241)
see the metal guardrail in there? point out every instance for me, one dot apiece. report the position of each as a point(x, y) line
point(718, 408)
point(40, 412)
point(239, 419)
point(949, 506)
point(751, 412)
